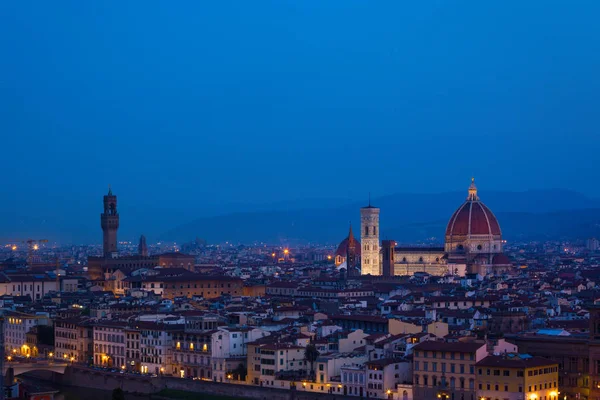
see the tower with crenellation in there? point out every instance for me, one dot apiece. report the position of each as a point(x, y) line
point(109, 220)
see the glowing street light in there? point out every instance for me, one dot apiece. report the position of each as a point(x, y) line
point(286, 251)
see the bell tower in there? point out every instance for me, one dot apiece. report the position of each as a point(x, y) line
point(109, 220)
point(351, 261)
point(369, 239)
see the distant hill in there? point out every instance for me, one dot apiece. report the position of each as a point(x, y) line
point(535, 214)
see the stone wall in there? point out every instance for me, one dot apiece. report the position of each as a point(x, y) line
point(83, 377)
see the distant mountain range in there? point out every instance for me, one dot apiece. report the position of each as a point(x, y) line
point(530, 215)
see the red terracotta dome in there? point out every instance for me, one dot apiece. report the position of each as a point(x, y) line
point(473, 218)
point(343, 247)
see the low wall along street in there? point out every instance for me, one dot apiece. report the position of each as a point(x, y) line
point(83, 377)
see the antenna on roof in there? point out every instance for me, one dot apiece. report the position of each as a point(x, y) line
point(369, 199)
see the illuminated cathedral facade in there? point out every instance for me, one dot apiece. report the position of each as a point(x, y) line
point(473, 244)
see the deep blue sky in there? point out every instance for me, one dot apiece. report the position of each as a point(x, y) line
point(180, 105)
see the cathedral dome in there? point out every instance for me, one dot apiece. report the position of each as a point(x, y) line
point(342, 251)
point(343, 248)
point(472, 218)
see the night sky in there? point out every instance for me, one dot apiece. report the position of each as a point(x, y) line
point(185, 106)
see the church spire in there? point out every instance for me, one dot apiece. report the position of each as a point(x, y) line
point(473, 191)
point(350, 234)
point(109, 190)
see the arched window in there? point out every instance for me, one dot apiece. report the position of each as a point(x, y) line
point(374, 230)
point(479, 247)
point(420, 259)
point(366, 231)
point(405, 395)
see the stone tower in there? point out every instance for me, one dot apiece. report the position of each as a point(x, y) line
point(351, 262)
point(109, 220)
point(369, 238)
point(143, 247)
point(387, 264)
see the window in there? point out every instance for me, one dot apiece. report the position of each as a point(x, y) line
point(506, 372)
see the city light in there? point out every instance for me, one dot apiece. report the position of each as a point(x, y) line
point(14, 247)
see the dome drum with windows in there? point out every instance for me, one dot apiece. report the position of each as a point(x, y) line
point(473, 229)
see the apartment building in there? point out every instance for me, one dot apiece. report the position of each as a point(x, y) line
point(516, 377)
point(16, 326)
point(73, 339)
point(446, 370)
point(229, 350)
point(109, 344)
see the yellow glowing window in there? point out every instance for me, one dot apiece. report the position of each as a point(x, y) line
point(205, 347)
point(178, 345)
point(191, 346)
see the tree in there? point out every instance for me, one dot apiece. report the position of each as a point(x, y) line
point(118, 394)
point(311, 354)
